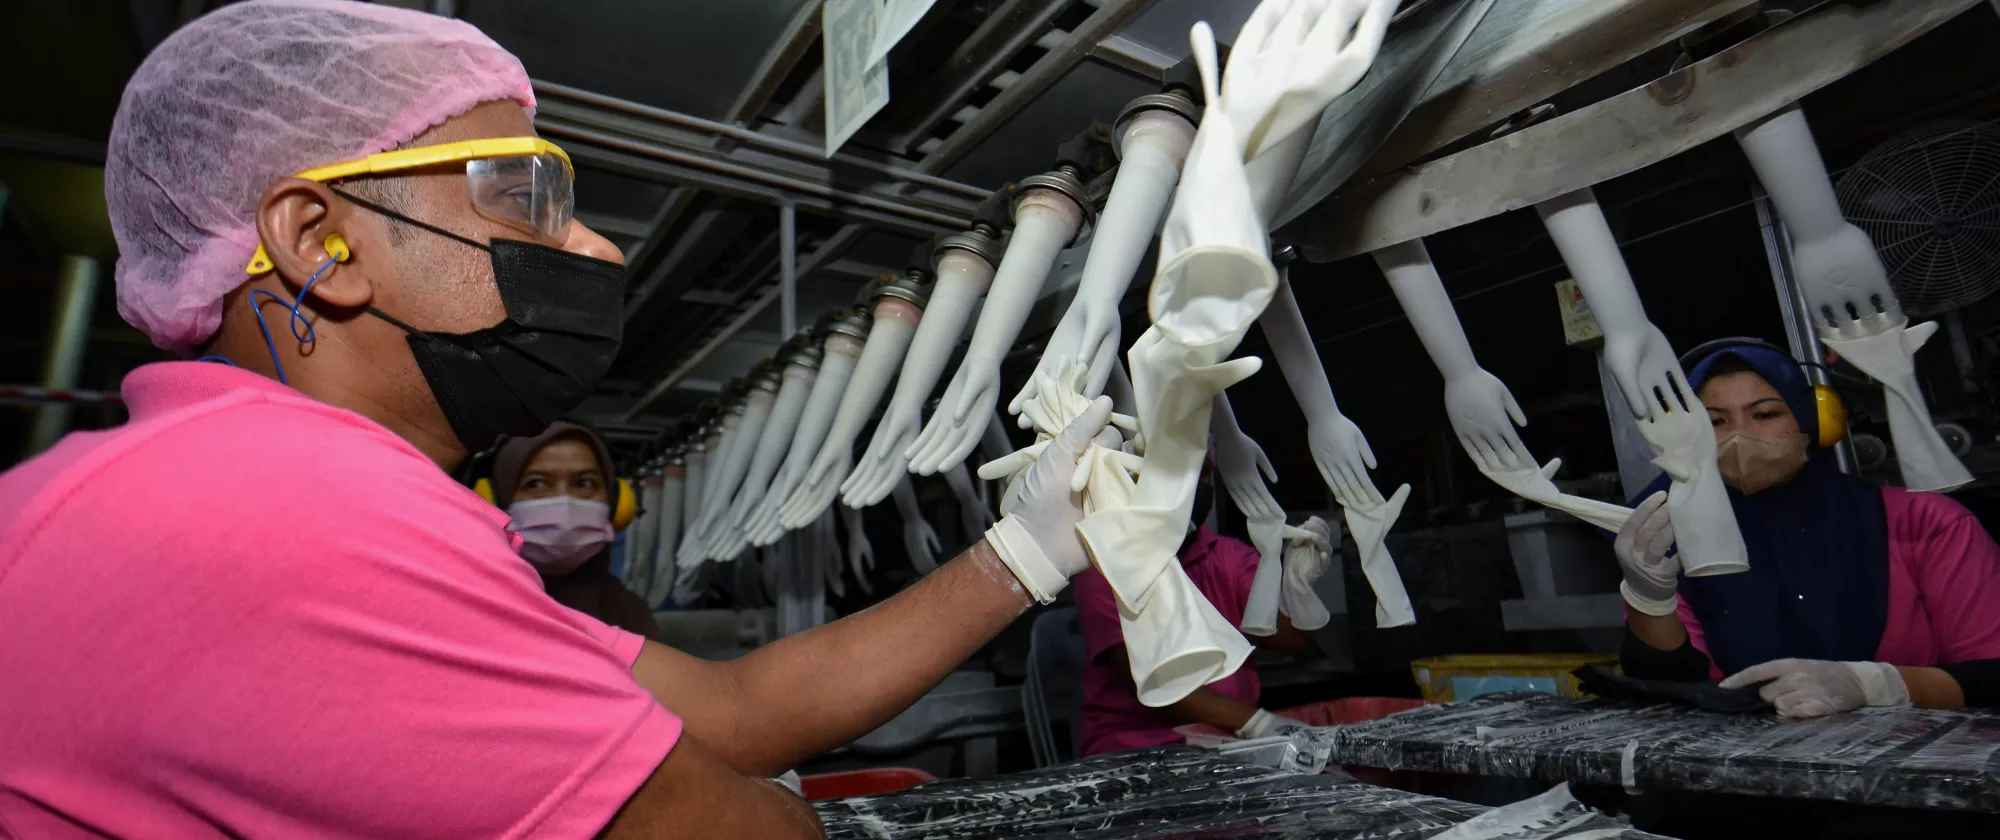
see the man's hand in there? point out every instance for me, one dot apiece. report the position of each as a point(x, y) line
point(1037, 538)
point(693, 794)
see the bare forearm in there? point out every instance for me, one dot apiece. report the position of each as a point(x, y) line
point(806, 694)
point(1659, 632)
point(1931, 688)
point(1206, 705)
point(1288, 639)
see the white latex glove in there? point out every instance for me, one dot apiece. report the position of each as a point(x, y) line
point(1038, 539)
point(691, 582)
point(836, 368)
point(1308, 555)
point(1884, 347)
point(1484, 415)
point(860, 552)
point(1153, 145)
point(919, 538)
point(963, 278)
point(811, 500)
point(1344, 458)
point(786, 411)
point(973, 515)
point(736, 468)
point(1804, 688)
point(1705, 529)
point(1293, 58)
point(1652, 578)
point(1215, 274)
point(826, 548)
point(1045, 221)
point(1369, 524)
point(1263, 724)
point(1837, 266)
point(672, 486)
point(696, 473)
point(1242, 467)
point(1537, 484)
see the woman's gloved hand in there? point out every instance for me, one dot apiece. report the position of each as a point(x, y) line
point(1651, 577)
point(1037, 539)
point(1263, 724)
point(1803, 688)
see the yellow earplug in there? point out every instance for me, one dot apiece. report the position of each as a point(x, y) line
point(336, 247)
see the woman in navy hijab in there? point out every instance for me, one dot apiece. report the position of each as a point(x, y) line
point(1856, 595)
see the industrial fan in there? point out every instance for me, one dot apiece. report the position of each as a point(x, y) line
point(1930, 199)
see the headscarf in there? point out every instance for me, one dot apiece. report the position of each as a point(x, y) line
point(1818, 585)
point(590, 589)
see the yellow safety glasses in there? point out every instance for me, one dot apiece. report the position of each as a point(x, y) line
point(523, 181)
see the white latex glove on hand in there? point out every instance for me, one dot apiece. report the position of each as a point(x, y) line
point(1037, 539)
point(1651, 577)
point(1803, 688)
point(1263, 724)
point(1308, 554)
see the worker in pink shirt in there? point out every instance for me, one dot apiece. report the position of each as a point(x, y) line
point(1113, 719)
point(1857, 595)
point(263, 609)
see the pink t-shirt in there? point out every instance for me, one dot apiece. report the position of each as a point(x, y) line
point(1944, 586)
point(1113, 718)
point(248, 614)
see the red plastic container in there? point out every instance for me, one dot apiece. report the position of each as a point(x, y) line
point(1331, 713)
point(862, 782)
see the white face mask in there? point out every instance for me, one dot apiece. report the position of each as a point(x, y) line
point(559, 533)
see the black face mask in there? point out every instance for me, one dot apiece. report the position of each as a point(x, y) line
point(565, 318)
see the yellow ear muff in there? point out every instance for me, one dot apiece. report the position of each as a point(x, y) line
point(484, 487)
point(625, 508)
point(1832, 415)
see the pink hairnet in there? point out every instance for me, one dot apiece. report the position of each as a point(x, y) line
point(251, 93)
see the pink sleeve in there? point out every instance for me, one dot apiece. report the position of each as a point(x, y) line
point(1096, 613)
point(1698, 638)
point(333, 639)
point(1957, 570)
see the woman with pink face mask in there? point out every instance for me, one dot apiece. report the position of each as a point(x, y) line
point(1857, 594)
point(559, 489)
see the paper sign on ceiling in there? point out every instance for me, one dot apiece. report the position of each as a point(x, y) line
point(897, 18)
point(856, 88)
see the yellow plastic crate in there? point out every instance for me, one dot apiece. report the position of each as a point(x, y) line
point(1465, 676)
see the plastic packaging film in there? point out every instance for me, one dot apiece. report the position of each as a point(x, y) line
point(1181, 791)
point(962, 279)
point(1904, 757)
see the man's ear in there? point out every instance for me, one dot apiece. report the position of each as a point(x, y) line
point(294, 219)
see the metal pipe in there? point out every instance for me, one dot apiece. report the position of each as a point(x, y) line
point(37, 395)
point(788, 269)
point(719, 166)
point(1110, 16)
point(1800, 337)
point(69, 335)
point(776, 144)
point(820, 256)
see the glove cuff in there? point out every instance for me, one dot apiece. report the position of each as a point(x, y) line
point(1881, 683)
point(1650, 606)
point(1024, 557)
point(1257, 724)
